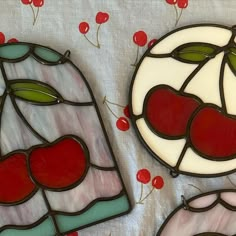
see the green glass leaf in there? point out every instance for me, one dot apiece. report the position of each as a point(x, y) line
point(194, 53)
point(47, 54)
point(35, 92)
point(232, 59)
point(13, 51)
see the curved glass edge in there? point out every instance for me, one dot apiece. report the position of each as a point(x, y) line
point(45, 228)
point(98, 212)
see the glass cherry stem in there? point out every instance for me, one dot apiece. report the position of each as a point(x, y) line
point(50, 212)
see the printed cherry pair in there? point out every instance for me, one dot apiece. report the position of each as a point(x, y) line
point(144, 177)
point(140, 39)
point(122, 122)
point(181, 4)
point(34, 3)
point(101, 18)
point(3, 39)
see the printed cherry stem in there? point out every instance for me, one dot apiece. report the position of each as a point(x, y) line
point(231, 181)
point(33, 14)
point(178, 17)
point(105, 100)
point(97, 44)
point(36, 16)
point(141, 201)
point(136, 60)
point(141, 194)
point(110, 109)
point(196, 188)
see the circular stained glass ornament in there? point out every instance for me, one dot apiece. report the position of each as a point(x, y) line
point(182, 100)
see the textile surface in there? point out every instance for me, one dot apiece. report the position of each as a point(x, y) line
point(106, 63)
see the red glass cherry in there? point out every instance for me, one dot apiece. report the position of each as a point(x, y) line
point(83, 27)
point(168, 111)
point(122, 124)
point(13, 40)
point(140, 38)
point(151, 42)
point(58, 165)
point(15, 181)
point(2, 38)
point(158, 182)
point(172, 2)
point(182, 3)
point(26, 2)
point(101, 17)
point(143, 176)
point(213, 133)
point(38, 3)
point(126, 111)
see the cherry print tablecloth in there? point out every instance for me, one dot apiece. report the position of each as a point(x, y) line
point(106, 40)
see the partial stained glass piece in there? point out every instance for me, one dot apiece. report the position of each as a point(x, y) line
point(13, 51)
point(47, 54)
point(56, 162)
point(207, 214)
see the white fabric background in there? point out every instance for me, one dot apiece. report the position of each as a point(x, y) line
point(109, 73)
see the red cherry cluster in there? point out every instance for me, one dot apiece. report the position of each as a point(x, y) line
point(101, 18)
point(3, 38)
point(53, 166)
point(144, 177)
point(140, 39)
point(182, 4)
point(35, 3)
point(122, 123)
point(211, 132)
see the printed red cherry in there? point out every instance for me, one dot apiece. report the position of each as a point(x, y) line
point(38, 3)
point(140, 38)
point(126, 111)
point(182, 3)
point(13, 40)
point(152, 42)
point(59, 165)
point(172, 2)
point(213, 133)
point(143, 176)
point(73, 234)
point(15, 181)
point(168, 111)
point(2, 38)
point(122, 124)
point(26, 2)
point(158, 182)
point(83, 27)
point(102, 17)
